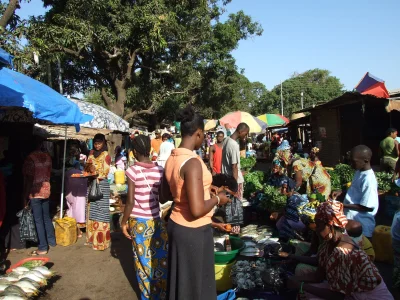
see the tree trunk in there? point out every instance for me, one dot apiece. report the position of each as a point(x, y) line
point(5, 18)
point(119, 105)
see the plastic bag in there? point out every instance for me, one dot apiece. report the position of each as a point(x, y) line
point(95, 191)
point(27, 228)
point(234, 212)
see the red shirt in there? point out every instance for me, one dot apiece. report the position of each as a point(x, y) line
point(38, 166)
point(217, 159)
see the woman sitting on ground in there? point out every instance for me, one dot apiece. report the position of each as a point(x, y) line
point(349, 272)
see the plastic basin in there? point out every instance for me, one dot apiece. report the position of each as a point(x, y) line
point(225, 257)
point(43, 259)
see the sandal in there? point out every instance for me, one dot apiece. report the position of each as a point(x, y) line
point(37, 253)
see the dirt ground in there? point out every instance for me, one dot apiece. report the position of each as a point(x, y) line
point(85, 274)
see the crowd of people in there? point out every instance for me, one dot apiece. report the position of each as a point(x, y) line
point(174, 257)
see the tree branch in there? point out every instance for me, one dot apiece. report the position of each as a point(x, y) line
point(116, 53)
point(106, 98)
point(149, 111)
point(130, 65)
point(77, 54)
point(5, 18)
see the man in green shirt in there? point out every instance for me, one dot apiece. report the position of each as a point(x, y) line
point(389, 151)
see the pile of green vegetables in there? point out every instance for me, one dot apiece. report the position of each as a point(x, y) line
point(253, 182)
point(272, 200)
point(384, 181)
point(341, 175)
point(247, 163)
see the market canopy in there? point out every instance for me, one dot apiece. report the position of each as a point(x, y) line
point(274, 119)
point(210, 124)
point(371, 85)
point(237, 117)
point(103, 118)
point(19, 90)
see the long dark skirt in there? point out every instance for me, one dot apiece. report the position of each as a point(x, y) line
point(191, 272)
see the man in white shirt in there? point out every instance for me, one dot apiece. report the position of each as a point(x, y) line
point(361, 202)
point(231, 155)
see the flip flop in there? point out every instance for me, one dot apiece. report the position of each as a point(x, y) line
point(37, 253)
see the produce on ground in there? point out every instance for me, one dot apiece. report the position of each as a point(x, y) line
point(341, 175)
point(247, 163)
point(384, 181)
point(253, 182)
point(272, 200)
point(24, 282)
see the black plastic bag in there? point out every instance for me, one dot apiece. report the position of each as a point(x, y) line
point(234, 211)
point(27, 228)
point(95, 191)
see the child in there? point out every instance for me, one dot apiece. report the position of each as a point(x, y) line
point(354, 230)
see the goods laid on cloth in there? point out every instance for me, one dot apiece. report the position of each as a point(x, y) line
point(25, 279)
point(249, 275)
point(66, 231)
point(382, 243)
point(27, 229)
point(274, 119)
point(233, 119)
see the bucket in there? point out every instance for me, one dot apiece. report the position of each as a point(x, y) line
point(119, 177)
point(382, 243)
point(223, 276)
point(66, 231)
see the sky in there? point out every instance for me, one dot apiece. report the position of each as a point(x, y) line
point(348, 38)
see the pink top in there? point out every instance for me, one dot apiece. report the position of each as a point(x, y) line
point(146, 202)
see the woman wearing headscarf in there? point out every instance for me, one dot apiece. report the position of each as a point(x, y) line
point(289, 225)
point(284, 154)
point(310, 176)
point(348, 271)
point(98, 224)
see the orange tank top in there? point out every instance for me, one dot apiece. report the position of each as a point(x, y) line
point(181, 213)
point(217, 159)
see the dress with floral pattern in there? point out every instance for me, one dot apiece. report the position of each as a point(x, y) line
point(314, 175)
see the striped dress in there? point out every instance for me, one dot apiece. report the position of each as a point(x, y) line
point(149, 235)
point(146, 205)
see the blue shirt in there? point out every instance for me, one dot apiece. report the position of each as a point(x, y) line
point(396, 227)
point(363, 191)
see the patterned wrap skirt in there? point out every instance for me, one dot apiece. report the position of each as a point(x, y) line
point(150, 254)
point(98, 233)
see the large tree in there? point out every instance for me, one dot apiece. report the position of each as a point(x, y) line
point(317, 86)
point(145, 56)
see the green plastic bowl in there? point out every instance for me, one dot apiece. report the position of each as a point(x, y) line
point(224, 257)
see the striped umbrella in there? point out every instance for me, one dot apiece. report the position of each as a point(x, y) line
point(274, 119)
point(234, 118)
point(210, 124)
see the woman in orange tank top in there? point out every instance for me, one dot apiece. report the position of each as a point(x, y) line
point(190, 239)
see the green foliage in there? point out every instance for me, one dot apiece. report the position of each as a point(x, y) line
point(341, 175)
point(147, 56)
point(93, 96)
point(317, 85)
